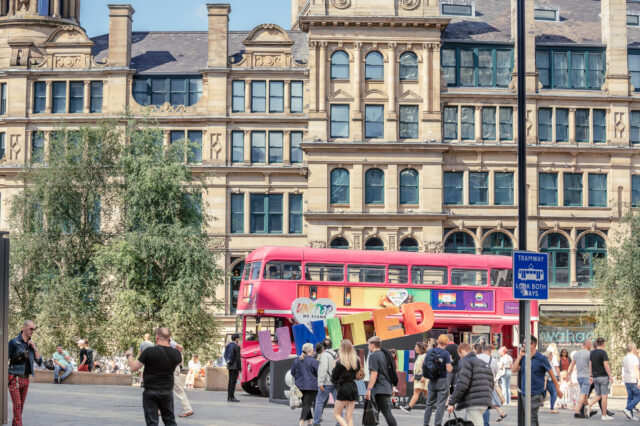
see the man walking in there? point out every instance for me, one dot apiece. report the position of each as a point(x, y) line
point(630, 375)
point(582, 363)
point(22, 354)
point(602, 377)
point(62, 362)
point(539, 367)
point(473, 386)
point(234, 365)
point(325, 386)
point(178, 384)
point(379, 380)
point(437, 364)
point(504, 365)
point(452, 348)
point(159, 363)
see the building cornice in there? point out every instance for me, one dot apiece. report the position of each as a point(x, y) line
point(372, 21)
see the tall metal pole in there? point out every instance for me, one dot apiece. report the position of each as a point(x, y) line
point(524, 407)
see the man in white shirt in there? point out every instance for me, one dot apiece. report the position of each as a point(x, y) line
point(505, 364)
point(630, 376)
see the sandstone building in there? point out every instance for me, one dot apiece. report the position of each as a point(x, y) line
point(371, 124)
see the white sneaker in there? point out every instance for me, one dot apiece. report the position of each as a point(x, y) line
point(628, 413)
point(607, 418)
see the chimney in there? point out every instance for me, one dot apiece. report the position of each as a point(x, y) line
point(613, 16)
point(120, 35)
point(218, 31)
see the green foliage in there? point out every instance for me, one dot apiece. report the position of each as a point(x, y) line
point(108, 242)
point(617, 286)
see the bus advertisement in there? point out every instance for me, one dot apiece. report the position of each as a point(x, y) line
point(470, 295)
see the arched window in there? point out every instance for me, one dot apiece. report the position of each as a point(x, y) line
point(374, 244)
point(409, 244)
point(236, 277)
point(408, 66)
point(339, 65)
point(408, 186)
point(374, 186)
point(590, 247)
point(339, 243)
point(498, 243)
point(558, 248)
point(460, 242)
point(339, 186)
point(374, 66)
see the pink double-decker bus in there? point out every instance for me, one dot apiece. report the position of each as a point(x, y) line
point(471, 295)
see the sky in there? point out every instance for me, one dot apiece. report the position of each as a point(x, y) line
point(185, 15)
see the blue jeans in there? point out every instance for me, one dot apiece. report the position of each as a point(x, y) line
point(553, 394)
point(321, 400)
point(67, 371)
point(486, 416)
point(633, 395)
point(436, 400)
point(505, 381)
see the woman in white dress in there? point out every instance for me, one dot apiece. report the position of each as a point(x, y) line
point(194, 370)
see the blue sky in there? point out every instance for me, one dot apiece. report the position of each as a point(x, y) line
point(185, 15)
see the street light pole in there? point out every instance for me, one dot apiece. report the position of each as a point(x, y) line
point(524, 328)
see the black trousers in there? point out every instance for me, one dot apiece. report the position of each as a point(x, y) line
point(152, 401)
point(384, 406)
point(233, 379)
point(308, 401)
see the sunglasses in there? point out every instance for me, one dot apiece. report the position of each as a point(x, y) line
point(32, 328)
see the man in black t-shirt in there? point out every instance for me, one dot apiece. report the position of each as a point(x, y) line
point(159, 364)
point(452, 348)
point(602, 378)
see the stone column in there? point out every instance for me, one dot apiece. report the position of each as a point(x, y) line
point(247, 147)
point(313, 77)
point(356, 128)
point(434, 77)
point(247, 96)
point(478, 123)
point(572, 125)
point(613, 16)
point(228, 147)
point(322, 77)
point(573, 263)
point(427, 75)
point(47, 108)
point(287, 96)
point(28, 154)
point(56, 8)
point(72, 9)
point(286, 147)
point(87, 97)
point(391, 81)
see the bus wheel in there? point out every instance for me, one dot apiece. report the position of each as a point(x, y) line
point(250, 388)
point(263, 382)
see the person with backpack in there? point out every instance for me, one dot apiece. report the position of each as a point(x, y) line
point(382, 379)
point(474, 384)
point(234, 365)
point(437, 364)
point(327, 360)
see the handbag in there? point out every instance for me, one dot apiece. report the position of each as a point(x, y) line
point(370, 416)
point(360, 374)
point(457, 422)
point(417, 377)
point(362, 388)
point(295, 398)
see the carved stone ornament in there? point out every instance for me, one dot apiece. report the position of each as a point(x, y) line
point(619, 124)
point(268, 61)
point(14, 147)
point(341, 4)
point(216, 147)
point(167, 107)
point(23, 5)
point(318, 244)
point(409, 4)
point(433, 246)
point(74, 61)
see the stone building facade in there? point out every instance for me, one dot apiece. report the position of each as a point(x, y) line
point(371, 124)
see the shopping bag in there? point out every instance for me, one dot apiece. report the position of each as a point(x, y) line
point(362, 388)
point(457, 422)
point(370, 417)
point(295, 397)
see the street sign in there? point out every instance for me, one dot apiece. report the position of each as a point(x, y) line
point(530, 275)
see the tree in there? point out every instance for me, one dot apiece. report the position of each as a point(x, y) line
point(55, 223)
point(617, 287)
point(160, 268)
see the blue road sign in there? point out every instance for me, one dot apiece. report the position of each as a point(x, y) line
point(530, 275)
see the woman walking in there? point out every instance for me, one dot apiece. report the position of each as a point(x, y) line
point(565, 361)
point(420, 383)
point(305, 374)
point(84, 357)
point(553, 394)
point(344, 377)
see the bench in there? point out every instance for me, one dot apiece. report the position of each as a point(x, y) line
point(83, 378)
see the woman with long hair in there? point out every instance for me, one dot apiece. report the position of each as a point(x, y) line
point(565, 361)
point(420, 382)
point(553, 394)
point(305, 374)
point(344, 377)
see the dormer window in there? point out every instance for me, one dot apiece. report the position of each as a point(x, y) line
point(543, 13)
point(633, 20)
point(174, 90)
point(458, 9)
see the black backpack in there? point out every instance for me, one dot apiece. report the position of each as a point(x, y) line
point(391, 367)
point(432, 366)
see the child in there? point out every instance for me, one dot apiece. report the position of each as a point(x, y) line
point(564, 387)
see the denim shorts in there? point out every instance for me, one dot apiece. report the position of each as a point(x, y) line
point(584, 384)
point(601, 385)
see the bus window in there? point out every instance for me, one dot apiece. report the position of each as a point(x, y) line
point(323, 272)
point(429, 275)
point(477, 277)
point(365, 274)
point(282, 271)
point(247, 271)
point(255, 324)
point(501, 278)
point(255, 270)
point(398, 274)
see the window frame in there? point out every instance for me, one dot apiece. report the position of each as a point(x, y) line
point(370, 188)
point(39, 96)
point(593, 192)
point(568, 190)
point(75, 99)
point(374, 72)
point(333, 200)
point(3, 98)
point(237, 215)
point(96, 101)
point(458, 189)
point(479, 189)
point(56, 109)
point(635, 190)
point(255, 98)
point(554, 189)
point(333, 108)
point(275, 85)
point(414, 187)
point(273, 146)
point(295, 148)
point(548, 125)
point(475, 49)
point(589, 83)
point(503, 189)
point(487, 124)
point(405, 67)
point(191, 97)
point(336, 66)
point(39, 159)
point(266, 214)
point(294, 99)
point(406, 128)
point(240, 158)
point(295, 214)
point(240, 98)
point(255, 147)
point(368, 130)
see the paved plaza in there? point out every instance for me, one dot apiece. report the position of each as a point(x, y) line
point(49, 404)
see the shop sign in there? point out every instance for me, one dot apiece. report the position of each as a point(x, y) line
point(481, 329)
